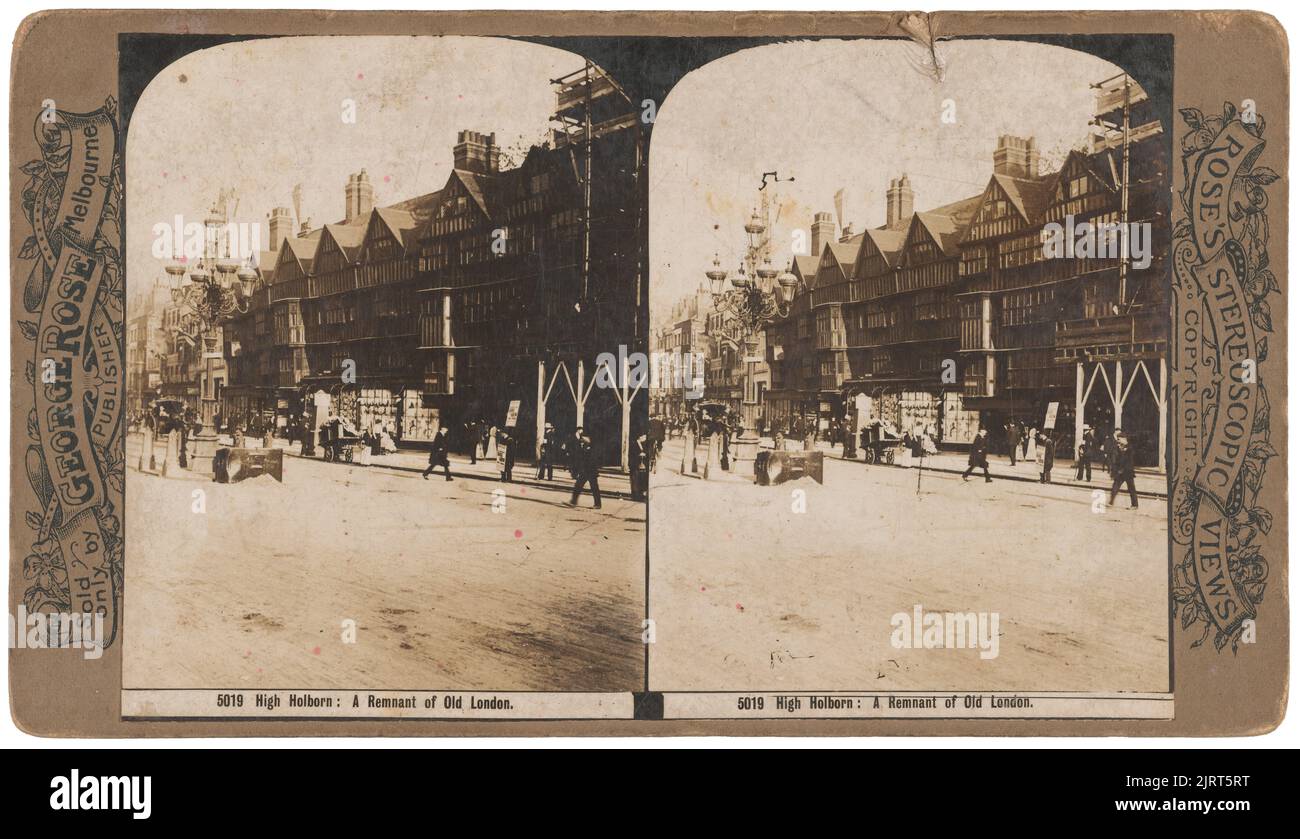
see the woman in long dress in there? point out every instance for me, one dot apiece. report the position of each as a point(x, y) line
point(903, 455)
point(1031, 453)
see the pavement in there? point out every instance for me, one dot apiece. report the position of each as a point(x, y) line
point(797, 586)
point(1148, 482)
point(471, 584)
point(613, 482)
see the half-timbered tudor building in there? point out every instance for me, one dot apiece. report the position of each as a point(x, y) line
point(437, 310)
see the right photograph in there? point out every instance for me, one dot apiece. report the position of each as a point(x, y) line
point(910, 309)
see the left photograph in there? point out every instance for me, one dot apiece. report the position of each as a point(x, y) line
point(381, 299)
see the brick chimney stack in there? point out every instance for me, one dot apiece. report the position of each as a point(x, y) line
point(475, 152)
point(1016, 156)
point(358, 197)
point(823, 231)
point(898, 203)
point(281, 226)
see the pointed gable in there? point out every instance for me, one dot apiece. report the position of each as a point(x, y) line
point(804, 267)
point(1082, 186)
point(944, 226)
point(878, 252)
point(1004, 208)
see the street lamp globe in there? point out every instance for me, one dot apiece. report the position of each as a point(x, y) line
point(175, 274)
point(246, 277)
point(716, 276)
point(227, 264)
point(787, 281)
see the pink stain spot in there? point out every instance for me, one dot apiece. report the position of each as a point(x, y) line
point(248, 653)
point(739, 608)
point(361, 75)
point(702, 588)
point(523, 491)
point(387, 179)
point(519, 534)
point(164, 174)
point(315, 651)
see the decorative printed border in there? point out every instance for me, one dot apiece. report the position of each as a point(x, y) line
point(1221, 316)
point(73, 203)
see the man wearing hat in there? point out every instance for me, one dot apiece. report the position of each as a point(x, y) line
point(1083, 458)
point(546, 463)
point(587, 470)
point(1122, 471)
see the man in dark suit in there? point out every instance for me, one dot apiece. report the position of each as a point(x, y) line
point(1122, 471)
point(1013, 440)
point(546, 464)
point(587, 470)
point(438, 454)
point(979, 456)
point(471, 435)
point(1083, 460)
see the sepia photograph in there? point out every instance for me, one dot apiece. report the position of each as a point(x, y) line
point(374, 436)
point(925, 298)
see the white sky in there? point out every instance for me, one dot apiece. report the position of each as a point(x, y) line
point(843, 114)
point(261, 116)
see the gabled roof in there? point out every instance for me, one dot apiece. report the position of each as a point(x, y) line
point(303, 249)
point(473, 184)
point(804, 266)
point(888, 241)
point(947, 223)
point(846, 252)
point(1093, 164)
point(348, 237)
point(400, 223)
point(266, 262)
point(1030, 197)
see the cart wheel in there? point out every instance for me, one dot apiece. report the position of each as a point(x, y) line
point(870, 456)
point(329, 454)
point(889, 457)
point(347, 454)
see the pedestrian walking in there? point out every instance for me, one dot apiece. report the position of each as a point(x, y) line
point(1122, 471)
point(546, 463)
point(587, 470)
point(979, 456)
point(642, 454)
point(1083, 459)
point(1031, 444)
point(438, 454)
point(472, 435)
point(1013, 440)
